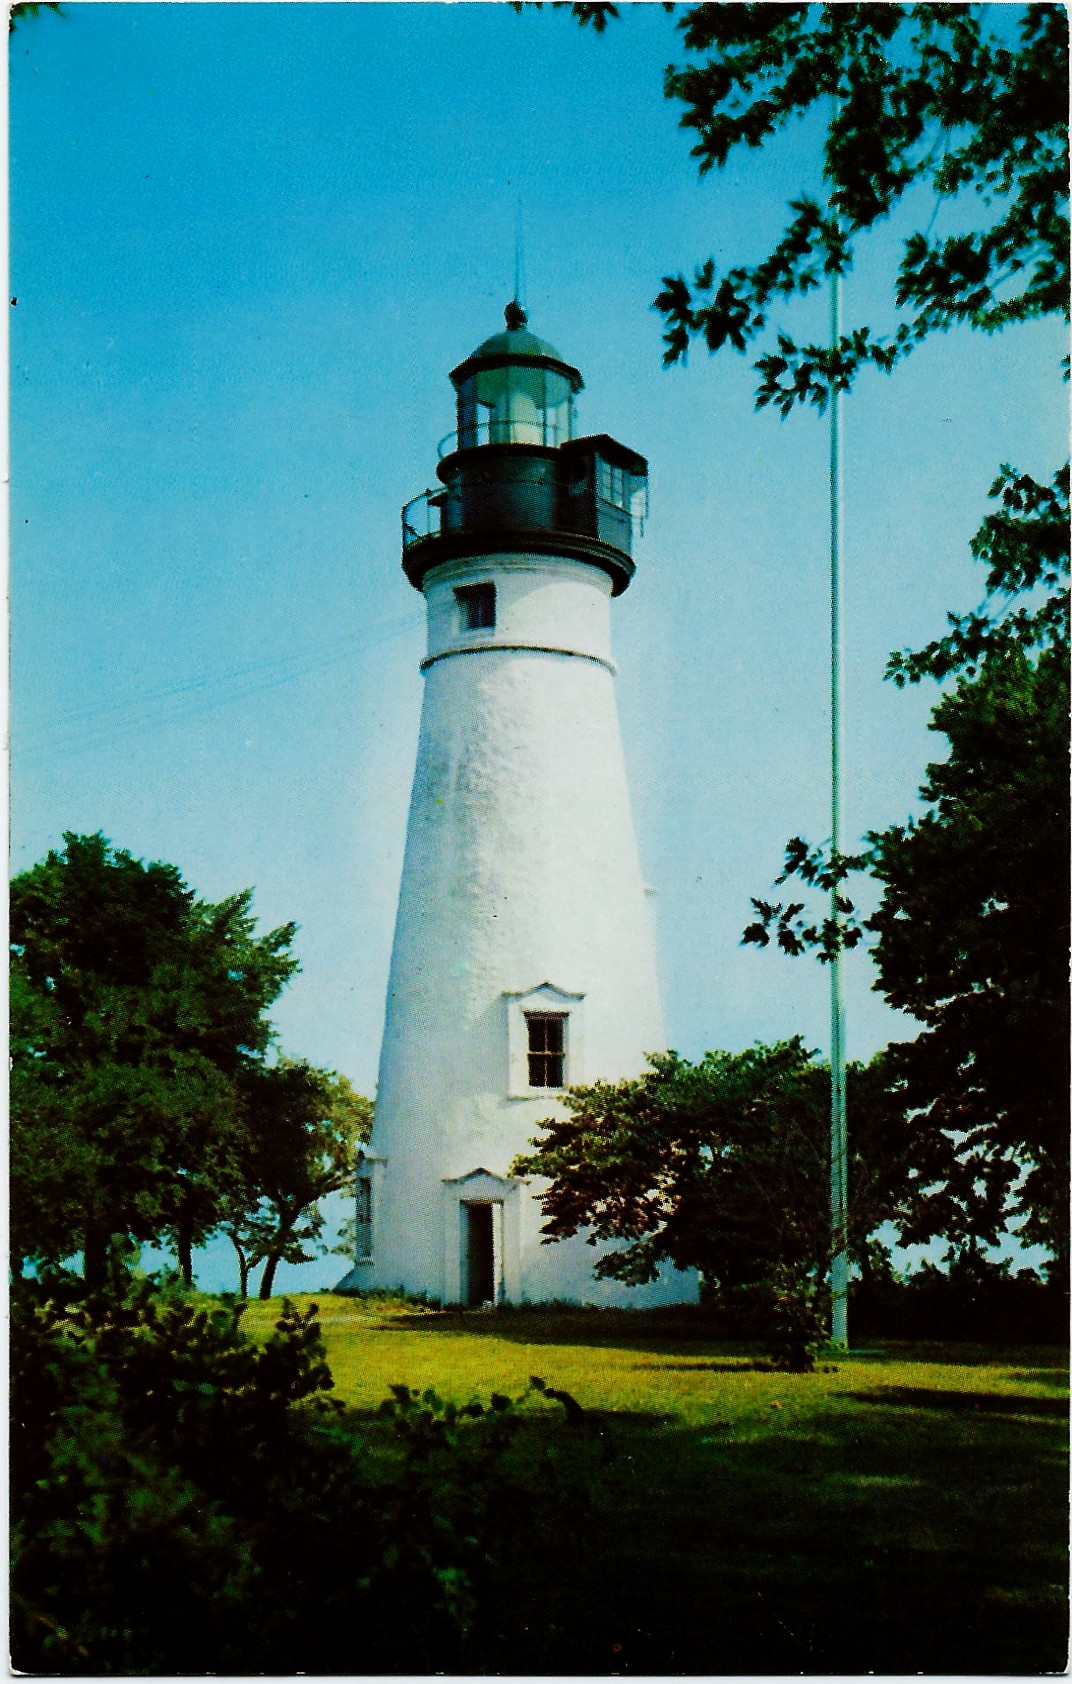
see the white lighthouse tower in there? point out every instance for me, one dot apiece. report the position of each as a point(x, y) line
point(524, 955)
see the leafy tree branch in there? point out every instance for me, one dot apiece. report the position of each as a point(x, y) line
point(975, 106)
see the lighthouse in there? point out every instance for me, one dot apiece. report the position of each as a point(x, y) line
point(524, 953)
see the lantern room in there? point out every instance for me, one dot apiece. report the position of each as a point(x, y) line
point(515, 389)
point(516, 478)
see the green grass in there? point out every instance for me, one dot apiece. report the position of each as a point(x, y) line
point(901, 1511)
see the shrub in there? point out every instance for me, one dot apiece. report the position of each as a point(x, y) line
point(186, 1501)
point(972, 1299)
point(786, 1312)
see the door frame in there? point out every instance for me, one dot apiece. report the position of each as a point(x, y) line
point(482, 1187)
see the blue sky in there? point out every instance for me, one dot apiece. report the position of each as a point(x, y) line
point(248, 242)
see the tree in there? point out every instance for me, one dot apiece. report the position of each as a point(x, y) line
point(972, 99)
point(983, 873)
point(136, 1010)
point(302, 1131)
point(719, 1166)
point(971, 935)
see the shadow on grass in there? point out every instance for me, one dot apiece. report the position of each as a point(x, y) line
point(1055, 1376)
point(795, 1549)
point(734, 1365)
point(655, 1331)
point(1030, 1359)
point(664, 1332)
point(640, 1330)
point(990, 1403)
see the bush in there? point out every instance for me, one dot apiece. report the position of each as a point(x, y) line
point(787, 1313)
point(185, 1501)
point(971, 1300)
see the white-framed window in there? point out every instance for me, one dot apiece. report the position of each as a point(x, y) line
point(545, 1040)
point(367, 1184)
point(547, 1048)
point(363, 1219)
point(476, 607)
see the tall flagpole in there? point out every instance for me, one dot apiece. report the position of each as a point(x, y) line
point(839, 1225)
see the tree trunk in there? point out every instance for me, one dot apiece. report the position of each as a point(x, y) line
point(184, 1240)
point(271, 1263)
point(274, 1256)
point(243, 1269)
point(123, 1256)
point(94, 1257)
point(186, 1259)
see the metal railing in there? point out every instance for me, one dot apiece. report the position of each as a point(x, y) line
point(546, 432)
point(422, 516)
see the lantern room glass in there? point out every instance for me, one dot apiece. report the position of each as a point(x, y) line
point(514, 403)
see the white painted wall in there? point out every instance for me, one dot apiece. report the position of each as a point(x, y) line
point(521, 869)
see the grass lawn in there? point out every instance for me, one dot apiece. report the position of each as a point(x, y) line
point(902, 1511)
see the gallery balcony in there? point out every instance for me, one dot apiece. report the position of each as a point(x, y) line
point(585, 498)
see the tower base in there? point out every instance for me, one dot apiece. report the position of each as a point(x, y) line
point(483, 1247)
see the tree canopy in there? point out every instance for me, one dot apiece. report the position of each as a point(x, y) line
point(983, 874)
point(137, 1009)
point(973, 100)
point(971, 935)
point(719, 1166)
point(303, 1128)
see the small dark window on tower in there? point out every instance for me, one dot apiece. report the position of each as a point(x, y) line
point(547, 1049)
point(477, 606)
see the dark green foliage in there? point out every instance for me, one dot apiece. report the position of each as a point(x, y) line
point(185, 1501)
point(135, 1010)
point(788, 1310)
point(1023, 543)
point(972, 934)
point(977, 106)
point(23, 9)
point(969, 1299)
point(595, 12)
point(722, 1166)
point(151, 1445)
point(819, 868)
point(143, 1105)
point(983, 872)
point(301, 1131)
point(449, 1515)
point(574, 1412)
